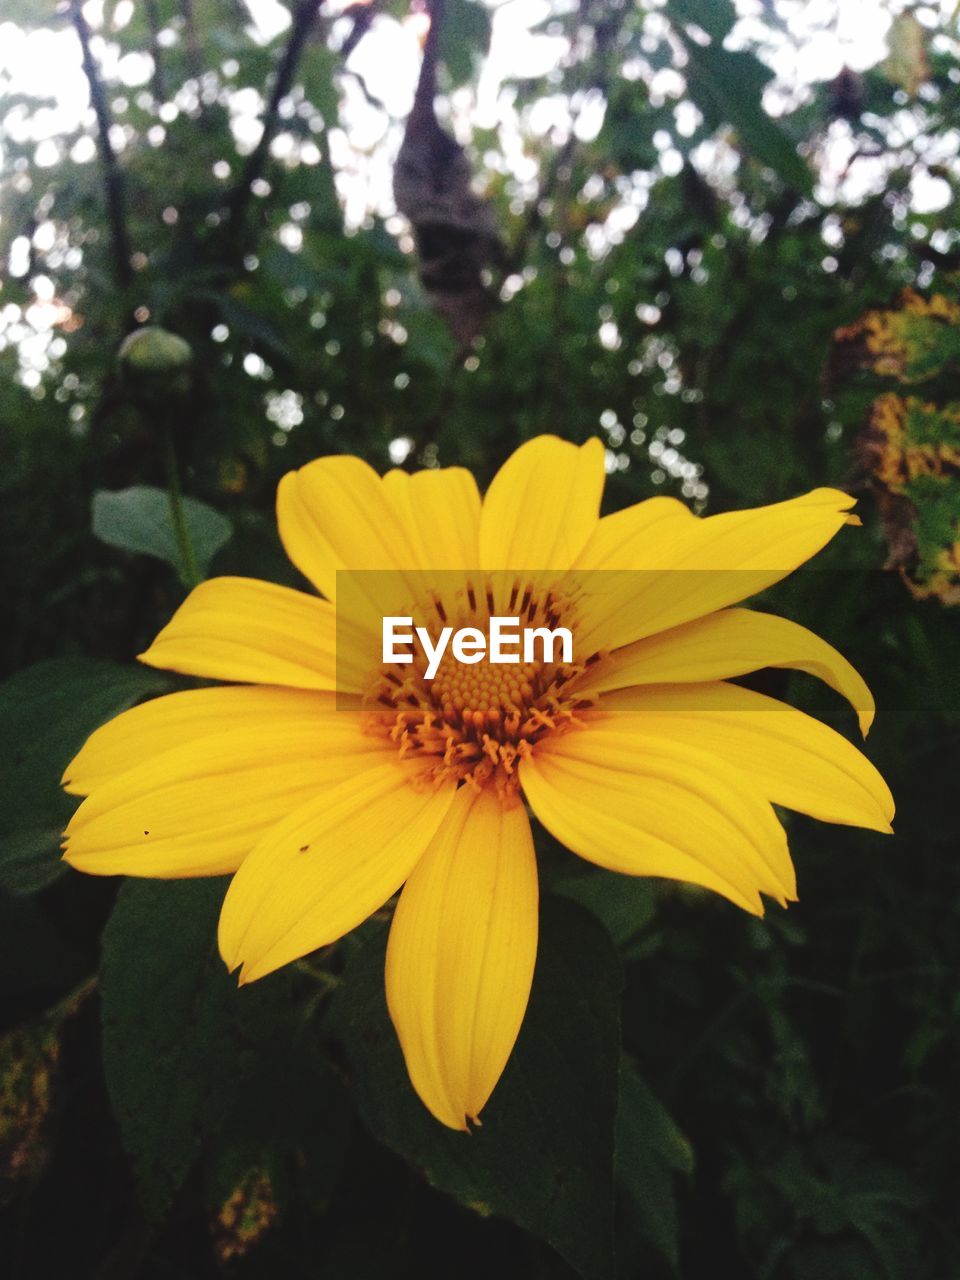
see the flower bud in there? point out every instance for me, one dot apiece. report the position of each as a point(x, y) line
point(156, 362)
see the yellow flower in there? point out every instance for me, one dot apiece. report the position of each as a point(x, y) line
point(325, 796)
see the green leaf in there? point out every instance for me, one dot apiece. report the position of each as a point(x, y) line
point(292, 1121)
point(318, 75)
point(625, 905)
point(543, 1156)
point(35, 955)
point(250, 323)
point(139, 519)
point(47, 712)
point(715, 17)
point(651, 1151)
point(727, 86)
point(853, 1213)
point(179, 1037)
point(428, 340)
point(464, 38)
point(29, 860)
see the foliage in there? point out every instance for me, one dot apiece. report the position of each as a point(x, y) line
point(46, 713)
point(911, 444)
point(695, 1093)
point(139, 519)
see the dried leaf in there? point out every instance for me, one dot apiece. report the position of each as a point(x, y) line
point(911, 450)
point(245, 1216)
point(910, 447)
point(29, 1058)
point(906, 65)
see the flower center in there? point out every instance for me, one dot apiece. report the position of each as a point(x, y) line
point(473, 721)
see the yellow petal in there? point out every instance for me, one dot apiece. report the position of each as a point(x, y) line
point(247, 630)
point(326, 867)
point(461, 954)
point(336, 513)
point(684, 568)
point(154, 727)
point(630, 804)
point(440, 510)
point(627, 539)
point(794, 760)
point(199, 808)
point(542, 505)
point(728, 644)
point(663, 532)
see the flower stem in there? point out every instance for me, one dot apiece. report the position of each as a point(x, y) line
point(189, 573)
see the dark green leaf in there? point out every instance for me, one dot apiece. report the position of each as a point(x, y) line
point(715, 17)
point(544, 1154)
point(624, 904)
point(248, 323)
point(34, 952)
point(300, 1138)
point(651, 1150)
point(139, 519)
point(727, 86)
point(195, 1065)
point(428, 340)
point(29, 860)
point(318, 76)
point(179, 1037)
point(464, 38)
point(46, 713)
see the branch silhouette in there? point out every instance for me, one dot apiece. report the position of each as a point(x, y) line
point(113, 179)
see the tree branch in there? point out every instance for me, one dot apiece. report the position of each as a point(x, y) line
point(304, 16)
point(191, 39)
point(153, 22)
point(426, 89)
point(112, 173)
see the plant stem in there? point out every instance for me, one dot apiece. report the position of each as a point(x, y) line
point(189, 573)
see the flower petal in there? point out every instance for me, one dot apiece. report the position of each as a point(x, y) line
point(629, 539)
point(629, 803)
point(683, 567)
point(244, 629)
point(327, 866)
point(198, 808)
point(440, 510)
point(542, 505)
point(153, 727)
point(726, 644)
point(461, 954)
point(337, 513)
point(794, 760)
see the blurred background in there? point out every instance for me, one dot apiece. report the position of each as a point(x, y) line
point(723, 236)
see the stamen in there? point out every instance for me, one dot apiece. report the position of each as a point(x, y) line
point(474, 723)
